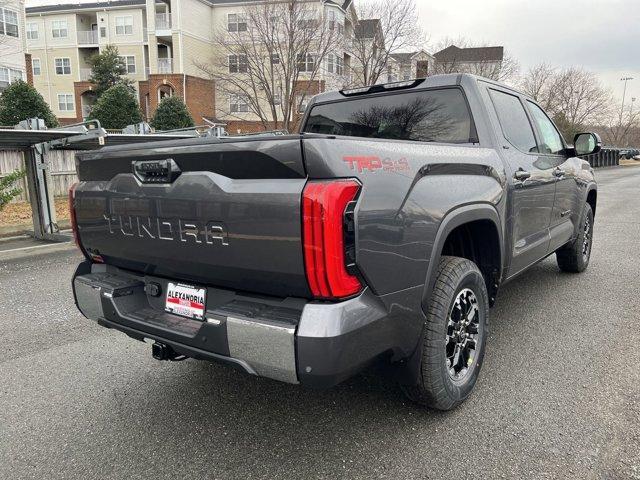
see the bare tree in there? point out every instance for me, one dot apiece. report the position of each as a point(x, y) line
point(573, 96)
point(621, 132)
point(269, 59)
point(383, 28)
point(539, 83)
point(484, 62)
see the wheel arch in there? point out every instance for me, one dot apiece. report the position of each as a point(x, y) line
point(473, 218)
point(592, 198)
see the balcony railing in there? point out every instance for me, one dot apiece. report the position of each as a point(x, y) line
point(85, 74)
point(165, 65)
point(163, 21)
point(87, 37)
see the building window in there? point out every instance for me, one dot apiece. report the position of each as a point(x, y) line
point(103, 32)
point(308, 20)
point(4, 76)
point(32, 31)
point(275, 59)
point(238, 104)
point(130, 63)
point(331, 62)
point(277, 98)
point(8, 22)
point(306, 62)
point(124, 25)
point(335, 22)
point(339, 65)
point(59, 29)
point(236, 23)
point(35, 66)
point(63, 66)
point(65, 102)
point(238, 64)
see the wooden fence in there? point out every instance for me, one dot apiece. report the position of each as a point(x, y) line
point(62, 166)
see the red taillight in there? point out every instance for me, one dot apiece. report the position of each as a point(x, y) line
point(323, 208)
point(72, 214)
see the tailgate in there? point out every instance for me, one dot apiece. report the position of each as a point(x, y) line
point(231, 218)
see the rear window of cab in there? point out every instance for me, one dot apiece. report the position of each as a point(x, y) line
point(440, 115)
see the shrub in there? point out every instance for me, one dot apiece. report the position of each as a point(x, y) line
point(117, 108)
point(171, 114)
point(8, 190)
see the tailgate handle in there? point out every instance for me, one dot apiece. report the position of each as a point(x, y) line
point(156, 171)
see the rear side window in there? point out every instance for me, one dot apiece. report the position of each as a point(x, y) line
point(424, 116)
point(514, 121)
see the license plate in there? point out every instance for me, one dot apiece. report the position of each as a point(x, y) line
point(186, 300)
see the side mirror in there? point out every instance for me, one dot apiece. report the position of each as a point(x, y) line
point(587, 143)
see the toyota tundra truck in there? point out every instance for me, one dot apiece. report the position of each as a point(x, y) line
point(380, 233)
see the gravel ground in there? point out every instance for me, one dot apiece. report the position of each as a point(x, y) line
point(558, 397)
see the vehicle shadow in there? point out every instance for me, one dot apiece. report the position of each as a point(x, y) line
point(236, 420)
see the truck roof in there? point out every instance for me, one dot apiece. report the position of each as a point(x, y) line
point(443, 80)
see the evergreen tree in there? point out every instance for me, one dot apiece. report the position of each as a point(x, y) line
point(108, 69)
point(20, 101)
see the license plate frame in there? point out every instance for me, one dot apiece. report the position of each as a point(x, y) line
point(185, 300)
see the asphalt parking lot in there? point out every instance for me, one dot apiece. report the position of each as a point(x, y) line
point(558, 397)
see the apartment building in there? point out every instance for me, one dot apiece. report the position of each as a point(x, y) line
point(162, 43)
point(12, 47)
point(155, 39)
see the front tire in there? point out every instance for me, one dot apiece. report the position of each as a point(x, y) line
point(574, 257)
point(454, 337)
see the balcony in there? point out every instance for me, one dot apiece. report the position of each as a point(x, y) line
point(85, 74)
point(87, 37)
point(163, 21)
point(165, 65)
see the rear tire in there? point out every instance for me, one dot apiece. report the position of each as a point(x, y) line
point(574, 257)
point(454, 336)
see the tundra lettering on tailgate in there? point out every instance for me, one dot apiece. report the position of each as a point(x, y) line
point(168, 229)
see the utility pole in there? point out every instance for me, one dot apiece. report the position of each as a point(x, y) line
point(624, 94)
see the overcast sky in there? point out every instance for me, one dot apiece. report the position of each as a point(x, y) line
point(599, 35)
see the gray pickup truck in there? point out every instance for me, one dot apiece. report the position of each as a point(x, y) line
point(381, 233)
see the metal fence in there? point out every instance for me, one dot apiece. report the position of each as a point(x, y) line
point(607, 157)
point(62, 167)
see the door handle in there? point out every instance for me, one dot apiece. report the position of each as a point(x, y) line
point(522, 175)
point(558, 172)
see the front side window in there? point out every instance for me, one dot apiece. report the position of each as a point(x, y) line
point(238, 64)
point(331, 63)
point(514, 121)
point(124, 25)
point(4, 75)
point(238, 104)
point(423, 116)
point(130, 63)
point(59, 29)
point(275, 58)
point(551, 141)
point(65, 102)
point(63, 66)
point(32, 31)
point(35, 66)
point(8, 22)
point(236, 23)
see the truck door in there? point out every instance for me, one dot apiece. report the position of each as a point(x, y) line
point(531, 182)
point(567, 203)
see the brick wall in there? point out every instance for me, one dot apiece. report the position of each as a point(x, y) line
point(29, 68)
point(200, 98)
